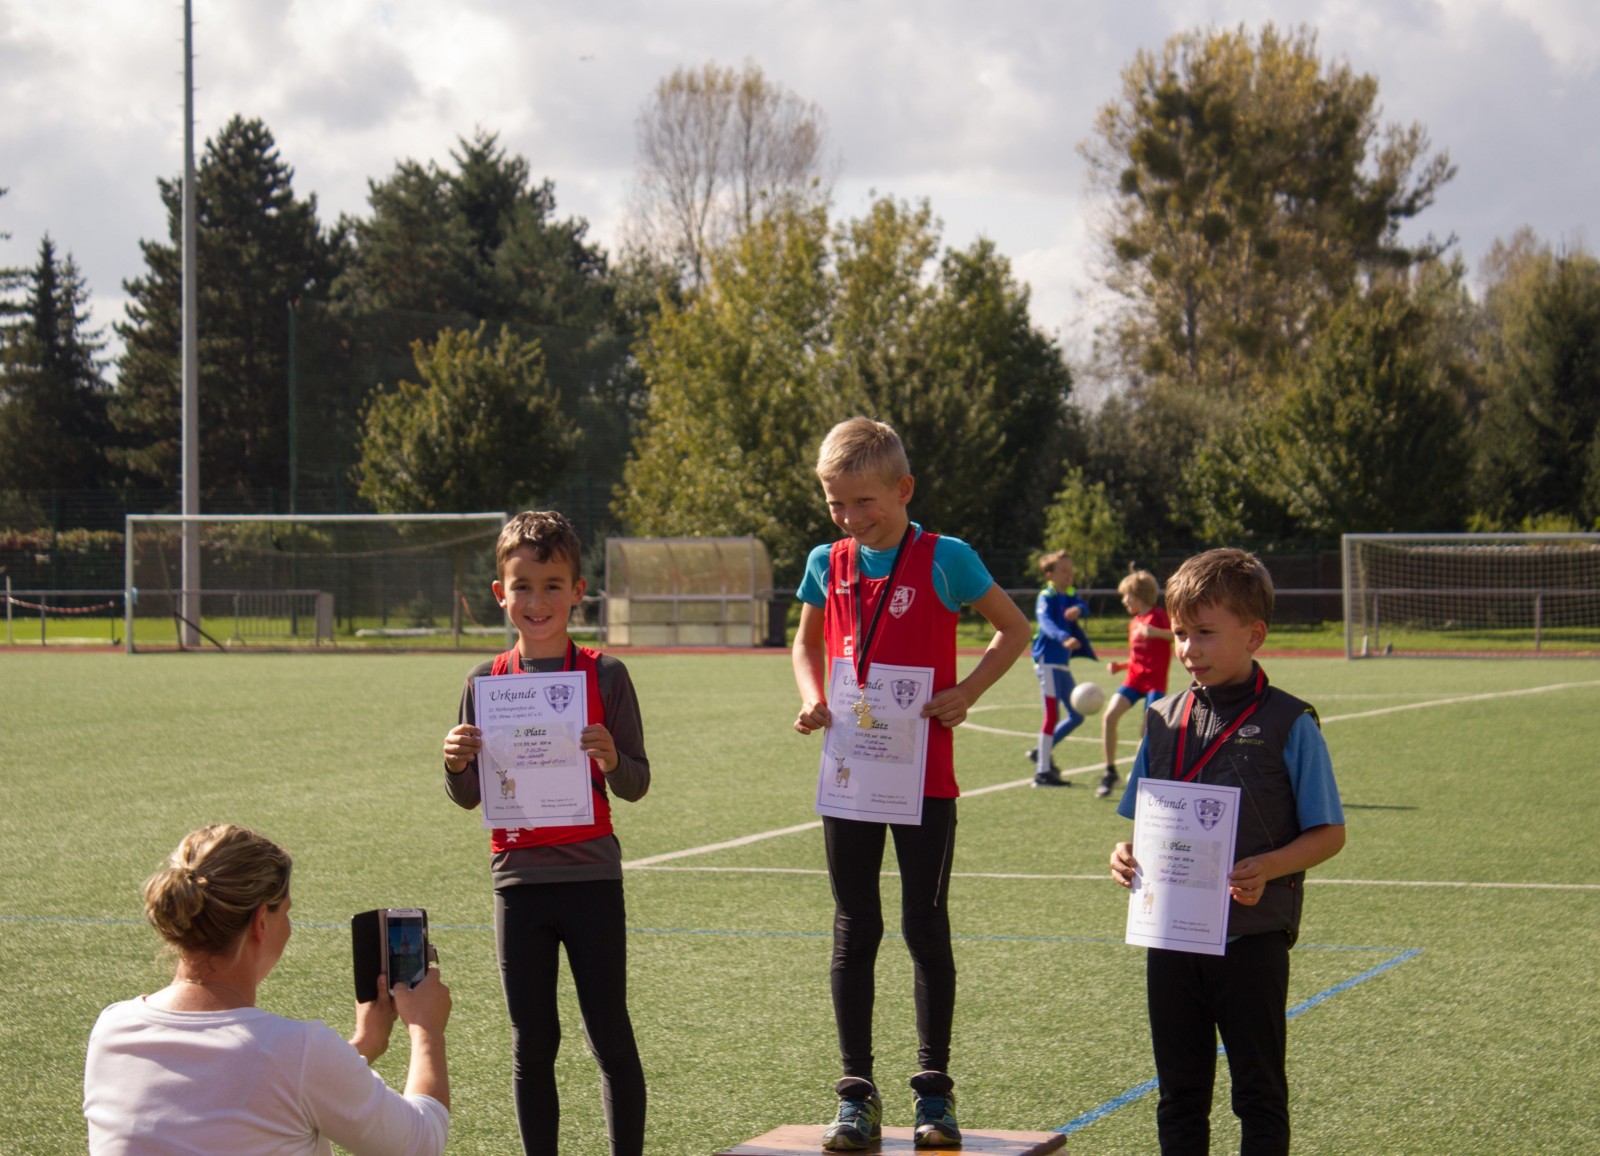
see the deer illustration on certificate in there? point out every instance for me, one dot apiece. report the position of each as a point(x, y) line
point(533, 772)
point(875, 753)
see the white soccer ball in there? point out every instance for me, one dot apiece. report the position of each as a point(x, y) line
point(1088, 698)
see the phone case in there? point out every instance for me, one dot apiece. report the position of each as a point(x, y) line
point(366, 946)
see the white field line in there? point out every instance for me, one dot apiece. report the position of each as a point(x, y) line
point(1106, 875)
point(746, 840)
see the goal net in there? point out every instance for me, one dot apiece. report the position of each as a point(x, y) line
point(274, 581)
point(1471, 593)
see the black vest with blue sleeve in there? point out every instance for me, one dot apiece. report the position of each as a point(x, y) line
point(1250, 759)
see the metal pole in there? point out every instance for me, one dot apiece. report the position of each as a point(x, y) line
point(191, 349)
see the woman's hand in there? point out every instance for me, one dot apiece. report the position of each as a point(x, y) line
point(374, 1023)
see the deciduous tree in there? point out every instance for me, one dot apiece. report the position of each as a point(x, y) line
point(1540, 431)
point(481, 430)
point(1244, 185)
point(720, 150)
point(800, 326)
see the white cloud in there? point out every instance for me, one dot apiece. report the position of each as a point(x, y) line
point(979, 108)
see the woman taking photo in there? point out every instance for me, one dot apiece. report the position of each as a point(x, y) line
point(198, 1068)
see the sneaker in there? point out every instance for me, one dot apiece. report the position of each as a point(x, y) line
point(1106, 783)
point(1051, 778)
point(859, 1122)
point(1031, 754)
point(936, 1125)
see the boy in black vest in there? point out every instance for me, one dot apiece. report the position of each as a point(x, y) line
point(1231, 728)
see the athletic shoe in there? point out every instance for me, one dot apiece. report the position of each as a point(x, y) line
point(1051, 778)
point(1106, 783)
point(859, 1123)
point(1031, 754)
point(936, 1125)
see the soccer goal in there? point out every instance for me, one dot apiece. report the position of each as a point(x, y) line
point(275, 581)
point(1491, 594)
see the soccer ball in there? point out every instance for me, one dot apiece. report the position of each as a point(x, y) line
point(1088, 698)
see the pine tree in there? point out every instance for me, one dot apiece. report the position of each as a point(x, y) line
point(259, 249)
point(53, 426)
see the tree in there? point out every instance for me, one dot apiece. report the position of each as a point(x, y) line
point(1083, 521)
point(11, 282)
point(482, 429)
point(719, 151)
point(800, 326)
point(54, 431)
point(259, 250)
point(1540, 429)
point(943, 349)
point(740, 396)
point(1245, 186)
point(479, 242)
point(1368, 437)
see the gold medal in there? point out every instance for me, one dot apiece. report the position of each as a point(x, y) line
point(862, 711)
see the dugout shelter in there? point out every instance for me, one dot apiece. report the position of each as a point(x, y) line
point(688, 592)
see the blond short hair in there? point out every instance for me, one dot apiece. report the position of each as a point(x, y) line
point(1232, 579)
point(1047, 562)
point(213, 884)
point(545, 532)
point(1141, 584)
point(863, 448)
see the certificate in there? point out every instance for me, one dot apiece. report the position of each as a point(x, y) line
point(531, 770)
point(875, 760)
point(1183, 841)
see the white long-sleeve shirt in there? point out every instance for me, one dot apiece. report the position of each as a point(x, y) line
point(245, 1082)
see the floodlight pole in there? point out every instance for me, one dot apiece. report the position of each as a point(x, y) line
point(191, 354)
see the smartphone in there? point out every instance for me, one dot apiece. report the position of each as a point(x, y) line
point(405, 944)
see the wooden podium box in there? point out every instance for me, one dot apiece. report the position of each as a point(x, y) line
point(797, 1139)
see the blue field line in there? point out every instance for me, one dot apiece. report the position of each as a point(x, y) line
point(1138, 1091)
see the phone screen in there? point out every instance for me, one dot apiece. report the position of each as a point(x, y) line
point(408, 947)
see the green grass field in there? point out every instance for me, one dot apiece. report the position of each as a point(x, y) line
point(1471, 878)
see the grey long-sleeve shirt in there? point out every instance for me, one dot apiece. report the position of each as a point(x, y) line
point(599, 858)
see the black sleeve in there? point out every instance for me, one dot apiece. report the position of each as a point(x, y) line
point(463, 789)
point(631, 777)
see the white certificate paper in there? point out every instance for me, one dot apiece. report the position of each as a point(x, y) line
point(531, 771)
point(875, 773)
point(1183, 841)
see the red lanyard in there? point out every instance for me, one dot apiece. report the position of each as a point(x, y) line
point(1183, 730)
point(864, 645)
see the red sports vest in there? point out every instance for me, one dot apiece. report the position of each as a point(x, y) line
point(501, 839)
point(917, 629)
point(1149, 658)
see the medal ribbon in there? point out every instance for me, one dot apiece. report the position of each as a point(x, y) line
point(1183, 731)
point(862, 657)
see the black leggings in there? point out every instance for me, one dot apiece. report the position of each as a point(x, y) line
point(855, 859)
point(530, 922)
point(1243, 994)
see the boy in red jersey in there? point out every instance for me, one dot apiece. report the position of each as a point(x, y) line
point(560, 886)
point(1149, 656)
point(886, 561)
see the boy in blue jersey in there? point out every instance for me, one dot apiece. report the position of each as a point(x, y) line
point(1230, 727)
point(1060, 637)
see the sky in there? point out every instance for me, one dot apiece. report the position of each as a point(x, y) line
point(977, 107)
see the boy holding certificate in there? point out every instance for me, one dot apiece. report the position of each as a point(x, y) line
point(1231, 728)
point(557, 883)
point(888, 592)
